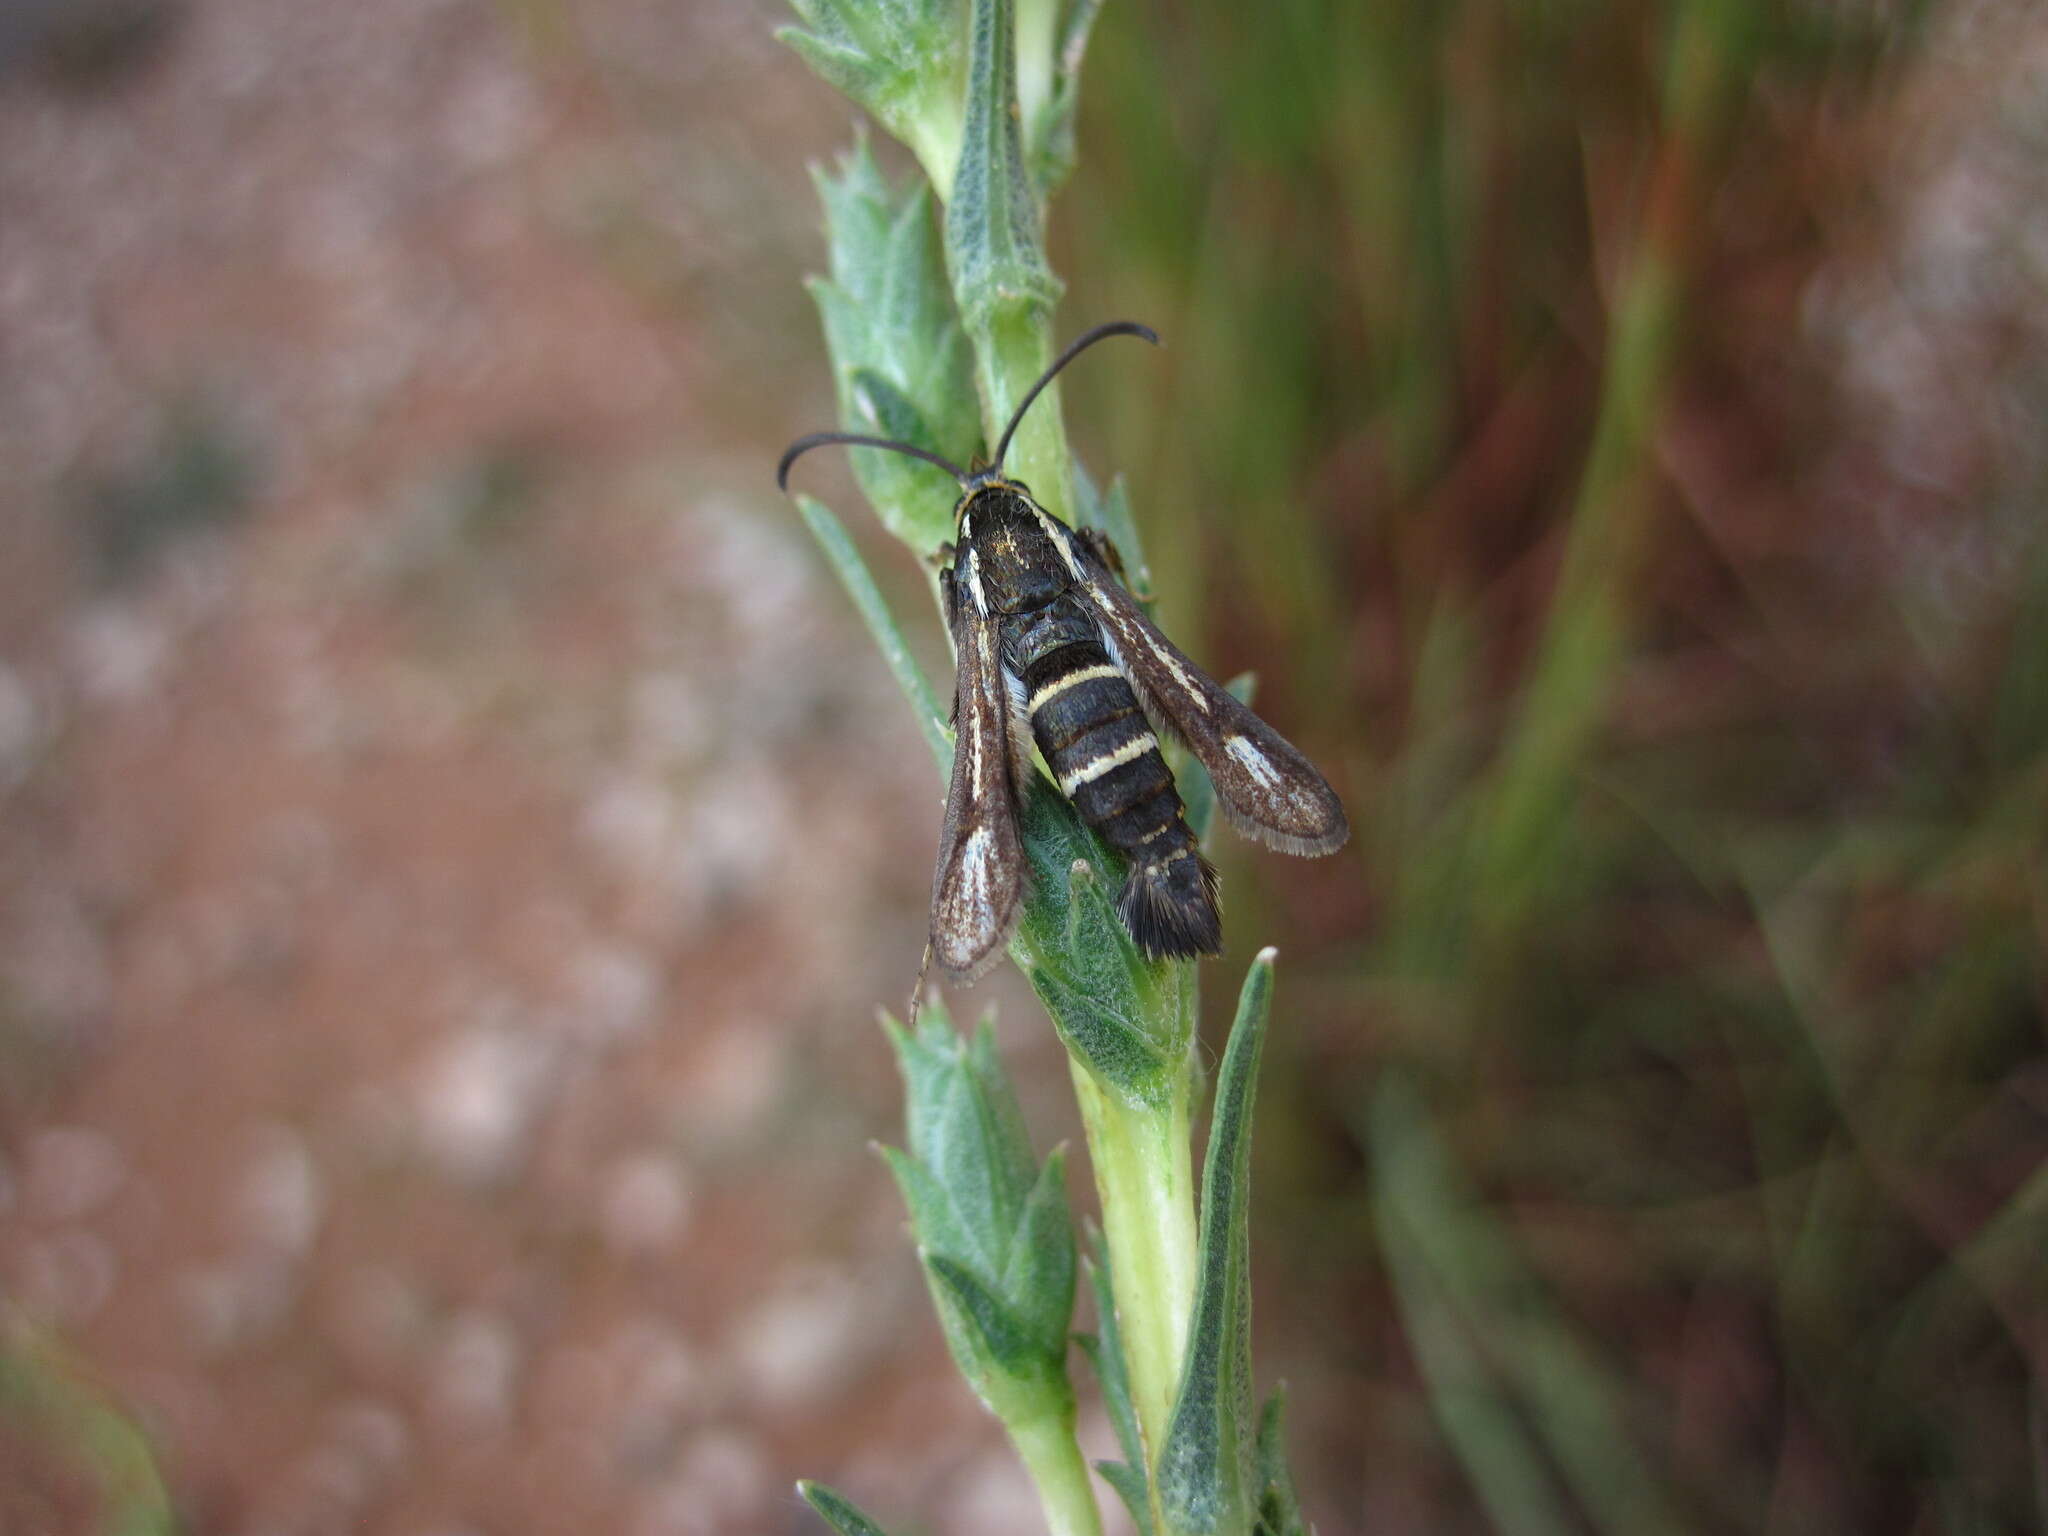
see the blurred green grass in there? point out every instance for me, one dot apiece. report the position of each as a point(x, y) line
point(1680, 1002)
point(69, 1460)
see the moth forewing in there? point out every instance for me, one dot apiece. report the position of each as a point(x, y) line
point(1264, 786)
point(978, 888)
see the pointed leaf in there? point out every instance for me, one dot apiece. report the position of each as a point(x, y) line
point(860, 206)
point(827, 17)
point(995, 1332)
point(999, 1108)
point(888, 316)
point(965, 1132)
point(933, 1216)
point(838, 1511)
point(1279, 1512)
point(1205, 1465)
point(1109, 1042)
point(1039, 1279)
point(1002, 284)
point(901, 61)
point(1051, 135)
point(994, 1231)
point(841, 65)
point(1111, 513)
point(1131, 1487)
point(854, 575)
point(993, 243)
point(1105, 1354)
point(880, 409)
point(913, 298)
point(1128, 1019)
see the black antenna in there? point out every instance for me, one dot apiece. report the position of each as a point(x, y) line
point(804, 445)
point(1075, 348)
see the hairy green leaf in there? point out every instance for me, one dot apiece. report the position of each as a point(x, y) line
point(995, 254)
point(1279, 1510)
point(859, 582)
point(838, 1511)
point(994, 1230)
point(1105, 1352)
point(1205, 1469)
point(993, 242)
point(900, 361)
point(902, 61)
point(1050, 134)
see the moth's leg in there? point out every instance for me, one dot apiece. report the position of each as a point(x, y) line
point(1017, 718)
point(1104, 549)
point(949, 602)
point(917, 988)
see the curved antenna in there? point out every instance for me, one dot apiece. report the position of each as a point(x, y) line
point(804, 445)
point(1075, 348)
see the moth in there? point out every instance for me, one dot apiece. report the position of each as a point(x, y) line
point(1055, 654)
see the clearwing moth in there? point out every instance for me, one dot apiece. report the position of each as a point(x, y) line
point(1055, 653)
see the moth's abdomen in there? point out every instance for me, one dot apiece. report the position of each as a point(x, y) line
point(1100, 747)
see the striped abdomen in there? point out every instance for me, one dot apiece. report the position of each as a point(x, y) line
point(1100, 747)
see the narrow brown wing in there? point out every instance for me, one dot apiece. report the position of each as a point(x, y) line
point(978, 890)
point(1266, 788)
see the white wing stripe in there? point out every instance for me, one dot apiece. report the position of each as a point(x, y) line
point(974, 582)
point(1254, 762)
point(1061, 539)
point(1129, 635)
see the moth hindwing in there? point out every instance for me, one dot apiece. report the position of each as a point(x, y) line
point(1267, 789)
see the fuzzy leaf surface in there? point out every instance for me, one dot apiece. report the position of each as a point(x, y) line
point(1050, 135)
point(1128, 1019)
point(838, 1511)
point(1205, 1470)
point(993, 1227)
point(901, 365)
point(902, 60)
point(853, 573)
point(993, 243)
point(1105, 1352)
point(1279, 1509)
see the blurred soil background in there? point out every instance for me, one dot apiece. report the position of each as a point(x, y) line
point(455, 836)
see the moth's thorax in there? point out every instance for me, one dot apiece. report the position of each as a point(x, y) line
point(1012, 554)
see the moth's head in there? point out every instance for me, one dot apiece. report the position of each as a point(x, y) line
point(983, 476)
point(984, 480)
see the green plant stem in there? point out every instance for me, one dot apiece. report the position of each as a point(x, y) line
point(1013, 348)
point(995, 253)
point(1144, 1177)
point(934, 137)
point(1051, 1453)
